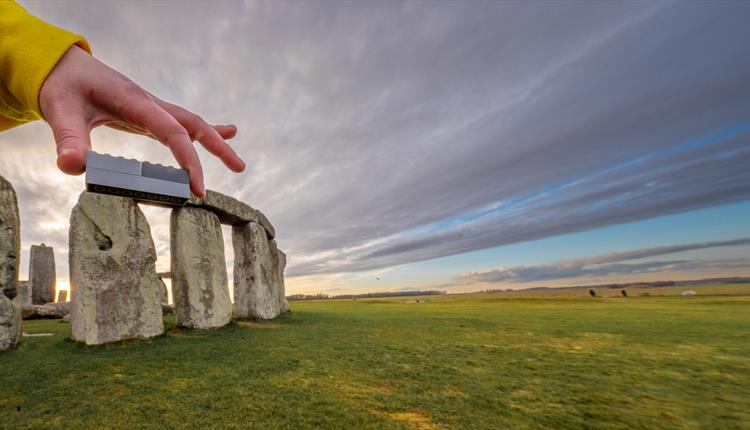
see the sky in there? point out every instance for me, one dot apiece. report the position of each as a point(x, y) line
point(457, 146)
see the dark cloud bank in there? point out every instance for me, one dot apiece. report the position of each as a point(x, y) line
point(610, 264)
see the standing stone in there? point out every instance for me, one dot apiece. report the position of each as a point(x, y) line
point(10, 239)
point(199, 274)
point(23, 296)
point(256, 273)
point(42, 274)
point(10, 324)
point(163, 294)
point(280, 266)
point(10, 250)
point(62, 296)
point(114, 288)
point(283, 301)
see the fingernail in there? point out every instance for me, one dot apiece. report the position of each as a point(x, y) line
point(67, 151)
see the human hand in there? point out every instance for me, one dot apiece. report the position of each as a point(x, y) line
point(82, 93)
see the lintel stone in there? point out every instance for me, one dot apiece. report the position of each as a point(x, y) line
point(232, 211)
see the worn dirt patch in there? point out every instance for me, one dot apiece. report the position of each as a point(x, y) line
point(416, 419)
point(254, 324)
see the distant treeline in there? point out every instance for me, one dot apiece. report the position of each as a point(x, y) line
point(602, 286)
point(733, 280)
point(294, 297)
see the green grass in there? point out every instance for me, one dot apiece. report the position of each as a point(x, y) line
point(452, 362)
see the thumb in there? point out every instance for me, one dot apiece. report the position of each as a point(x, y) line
point(71, 134)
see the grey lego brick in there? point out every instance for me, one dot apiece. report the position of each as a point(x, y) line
point(150, 183)
point(158, 171)
point(115, 164)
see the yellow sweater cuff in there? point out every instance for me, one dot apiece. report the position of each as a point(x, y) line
point(29, 50)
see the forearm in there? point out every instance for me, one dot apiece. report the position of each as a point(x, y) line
point(29, 50)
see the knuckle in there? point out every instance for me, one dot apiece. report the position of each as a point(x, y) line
point(195, 119)
point(131, 111)
point(135, 98)
point(66, 136)
point(197, 134)
point(196, 124)
point(176, 135)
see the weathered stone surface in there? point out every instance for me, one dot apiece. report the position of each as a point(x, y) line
point(280, 266)
point(114, 288)
point(232, 211)
point(10, 239)
point(10, 324)
point(199, 276)
point(42, 274)
point(62, 296)
point(63, 308)
point(257, 278)
point(23, 294)
point(29, 312)
point(163, 293)
point(47, 311)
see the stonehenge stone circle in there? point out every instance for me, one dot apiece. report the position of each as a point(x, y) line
point(10, 239)
point(114, 288)
point(258, 279)
point(10, 251)
point(106, 255)
point(42, 274)
point(62, 296)
point(116, 293)
point(199, 276)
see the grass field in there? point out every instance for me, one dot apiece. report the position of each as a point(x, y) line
point(469, 361)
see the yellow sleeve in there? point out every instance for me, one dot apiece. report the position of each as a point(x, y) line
point(29, 49)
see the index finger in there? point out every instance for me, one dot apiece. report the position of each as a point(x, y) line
point(139, 109)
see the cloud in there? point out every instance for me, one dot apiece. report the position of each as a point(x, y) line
point(610, 264)
point(378, 134)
